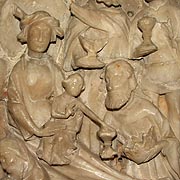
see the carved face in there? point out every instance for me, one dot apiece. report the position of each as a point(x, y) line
point(74, 85)
point(39, 36)
point(120, 81)
point(75, 89)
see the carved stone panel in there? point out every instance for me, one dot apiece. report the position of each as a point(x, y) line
point(90, 90)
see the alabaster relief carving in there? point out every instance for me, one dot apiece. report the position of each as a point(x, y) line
point(93, 93)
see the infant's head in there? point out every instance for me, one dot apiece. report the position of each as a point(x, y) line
point(74, 84)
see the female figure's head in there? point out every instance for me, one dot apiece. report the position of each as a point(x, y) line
point(37, 30)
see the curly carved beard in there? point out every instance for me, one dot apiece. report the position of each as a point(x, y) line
point(116, 99)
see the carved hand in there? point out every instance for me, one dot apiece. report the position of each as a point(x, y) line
point(145, 150)
point(71, 109)
point(149, 139)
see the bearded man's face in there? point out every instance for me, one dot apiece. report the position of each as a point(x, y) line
point(119, 87)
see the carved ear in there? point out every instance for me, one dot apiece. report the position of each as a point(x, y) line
point(59, 32)
point(18, 12)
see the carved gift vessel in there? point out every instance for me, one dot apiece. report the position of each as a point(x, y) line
point(89, 90)
point(92, 47)
point(146, 25)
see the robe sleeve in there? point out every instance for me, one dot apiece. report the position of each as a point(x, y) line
point(95, 18)
point(16, 105)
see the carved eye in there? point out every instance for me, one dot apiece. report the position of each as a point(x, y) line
point(34, 31)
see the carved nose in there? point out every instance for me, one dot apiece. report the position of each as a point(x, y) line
point(41, 37)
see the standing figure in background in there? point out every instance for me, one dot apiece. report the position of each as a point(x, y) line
point(96, 21)
point(162, 67)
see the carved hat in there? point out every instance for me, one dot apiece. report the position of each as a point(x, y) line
point(26, 20)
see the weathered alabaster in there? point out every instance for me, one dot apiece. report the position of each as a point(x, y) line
point(90, 90)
